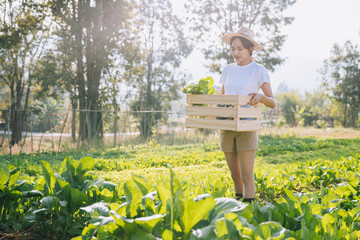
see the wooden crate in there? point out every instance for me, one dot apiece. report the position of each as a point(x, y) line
point(203, 111)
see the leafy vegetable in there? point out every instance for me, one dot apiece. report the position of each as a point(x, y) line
point(204, 86)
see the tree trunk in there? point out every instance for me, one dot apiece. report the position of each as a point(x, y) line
point(16, 123)
point(73, 119)
point(95, 62)
point(80, 69)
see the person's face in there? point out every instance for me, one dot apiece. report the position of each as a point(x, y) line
point(240, 54)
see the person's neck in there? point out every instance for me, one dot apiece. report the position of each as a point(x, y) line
point(243, 63)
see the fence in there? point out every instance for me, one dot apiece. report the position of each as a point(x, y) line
point(58, 130)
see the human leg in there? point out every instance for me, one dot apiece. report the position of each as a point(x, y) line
point(246, 167)
point(233, 164)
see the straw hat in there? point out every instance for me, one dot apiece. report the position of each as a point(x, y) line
point(244, 32)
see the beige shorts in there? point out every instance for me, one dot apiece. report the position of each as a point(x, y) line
point(231, 141)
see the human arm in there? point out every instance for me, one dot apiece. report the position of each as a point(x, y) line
point(267, 98)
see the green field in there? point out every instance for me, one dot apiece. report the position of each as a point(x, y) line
point(307, 188)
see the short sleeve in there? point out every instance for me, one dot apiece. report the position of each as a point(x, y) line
point(263, 76)
point(223, 77)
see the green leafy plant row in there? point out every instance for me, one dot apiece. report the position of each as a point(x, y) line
point(75, 203)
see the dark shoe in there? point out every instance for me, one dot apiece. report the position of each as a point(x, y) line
point(238, 196)
point(249, 200)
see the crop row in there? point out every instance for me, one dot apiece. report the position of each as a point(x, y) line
point(311, 200)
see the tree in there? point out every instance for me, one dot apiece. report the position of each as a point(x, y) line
point(341, 77)
point(156, 51)
point(92, 30)
point(22, 38)
point(210, 20)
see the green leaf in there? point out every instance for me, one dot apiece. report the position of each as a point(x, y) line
point(49, 176)
point(194, 211)
point(88, 163)
point(128, 225)
point(290, 194)
point(79, 238)
point(225, 205)
point(167, 235)
point(49, 202)
point(164, 194)
point(4, 175)
point(142, 183)
point(100, 208)
point(327, 220)
point(270, 230)
point(141, 235)
point(133, 197)
point(106, 195)
point(306, 233)
point(77, 198)
point(205, 233)
point(13, 178)
point(148, 223)
point(225, 229)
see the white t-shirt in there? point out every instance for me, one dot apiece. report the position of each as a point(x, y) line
point(243, 80)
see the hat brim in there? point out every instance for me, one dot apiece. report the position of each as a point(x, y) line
point(227, 38)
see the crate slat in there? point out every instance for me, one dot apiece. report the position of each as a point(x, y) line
point(252, 112)
point(248, 125)
point(218, 99)
point(211, 123)
point(211, 111)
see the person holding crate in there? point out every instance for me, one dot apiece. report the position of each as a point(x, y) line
point(244, 77)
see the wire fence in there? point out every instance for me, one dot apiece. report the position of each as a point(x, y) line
point(58, 130)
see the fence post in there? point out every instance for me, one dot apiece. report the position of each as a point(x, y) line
point(8, 127)
point(115, 126)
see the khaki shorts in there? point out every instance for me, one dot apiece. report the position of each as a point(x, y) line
point(231, 141)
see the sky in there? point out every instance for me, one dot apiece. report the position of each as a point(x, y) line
point(318, 25)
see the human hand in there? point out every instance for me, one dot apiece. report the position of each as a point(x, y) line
point(255, 98)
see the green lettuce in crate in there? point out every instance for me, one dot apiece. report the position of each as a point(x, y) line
point(204, 86)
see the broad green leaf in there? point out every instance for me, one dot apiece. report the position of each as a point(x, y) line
point(167, 235)
point(205, 233)
point(141, 235)
point(49, 202)
point(220, 189)
point(133, 197)
point(290, 194)
point(148, 223)
point(327, 220)
point(78, 238)
point(143, 184)
point(106, 195)
point(306, 209)
point(77, 198)
point(13, 178)
point(164, 194)
point(88, 232)
point(88, 163)
point(14, 195)
point(128, 225)
point(49, 176)
point(194, 211)
point(270, 230)
point(4, 175)
point(148, 202)
point(110, 231)
point(225, 205)
point(308, 234)
point(100, 208)
point(225, 229)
